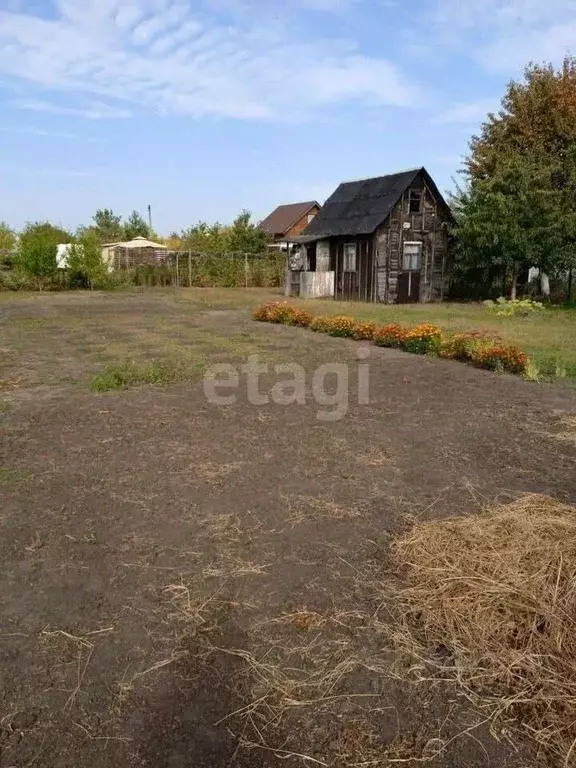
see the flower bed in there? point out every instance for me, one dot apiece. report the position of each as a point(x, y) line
point(424, 339)
point(364, 331)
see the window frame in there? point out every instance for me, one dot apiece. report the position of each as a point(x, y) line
point(411, 255)
point(415, 196)
point(346, 256)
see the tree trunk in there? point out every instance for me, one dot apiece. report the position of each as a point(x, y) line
point(570, 277)
point(544, 285)
point(514, 288)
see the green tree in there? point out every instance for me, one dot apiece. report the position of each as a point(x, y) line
point(509, 220)
point(533, 139)
point(136, 226)
point(205, 238)
point(107, 226)
point(38, 248)
point(245, 236)
point(537, 116)
point(85, 264)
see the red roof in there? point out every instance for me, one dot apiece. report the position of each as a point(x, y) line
point(286, 216)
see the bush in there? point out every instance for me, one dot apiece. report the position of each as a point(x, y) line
point(321, 324)
point(341, 326)
point(392, 335)
point(262, 314)
point(510, 307)
point(475, 348)
point(86, 267)
point(37, 249)
point(300, 317)
point(276, 312)
point(20, 281)
point(423, 339)
point(499, 357)
point(364, 331)
point(461, 346)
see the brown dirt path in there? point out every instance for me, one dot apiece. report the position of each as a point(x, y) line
point(142, 530)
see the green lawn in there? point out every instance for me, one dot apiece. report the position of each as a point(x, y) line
point(549, 338)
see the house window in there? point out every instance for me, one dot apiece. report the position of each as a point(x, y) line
point(310, 217)
point(415, 200)
point(350, 257)
point(412, 257)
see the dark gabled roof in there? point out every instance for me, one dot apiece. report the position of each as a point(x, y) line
point(285, 217)
point(360, 207)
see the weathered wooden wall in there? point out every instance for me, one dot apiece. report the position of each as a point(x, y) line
point(358, 285)
point(310, 285)
point(316, 285)
point(427, 227)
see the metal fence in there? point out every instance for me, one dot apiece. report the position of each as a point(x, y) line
point(188, 269)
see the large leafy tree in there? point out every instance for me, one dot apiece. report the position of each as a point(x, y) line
point(37, 248)
point(509, 220)
point(521, 174)
point(537, 116)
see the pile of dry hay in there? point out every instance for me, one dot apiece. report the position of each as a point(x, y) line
point(491, 606)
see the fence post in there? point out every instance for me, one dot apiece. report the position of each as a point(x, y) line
point(246, 270)
point(177, 268)
point(189, 269)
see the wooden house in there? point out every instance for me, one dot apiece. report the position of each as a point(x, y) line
point(382, 239)
point(289, 221)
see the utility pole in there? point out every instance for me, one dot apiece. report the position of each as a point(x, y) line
point(150, 218)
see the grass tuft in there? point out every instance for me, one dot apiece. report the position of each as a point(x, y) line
point(129, 373)
point(532, 371)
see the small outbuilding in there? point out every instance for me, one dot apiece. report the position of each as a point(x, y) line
point(134, 253)
point(382, 239)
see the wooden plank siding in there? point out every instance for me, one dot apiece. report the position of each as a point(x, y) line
point(360, 284)
point(427, 227)
point(375, 216)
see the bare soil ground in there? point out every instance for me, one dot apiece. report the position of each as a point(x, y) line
point(185, 584)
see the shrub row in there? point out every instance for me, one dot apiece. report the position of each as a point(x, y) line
point(424, 339)
point(202, 272)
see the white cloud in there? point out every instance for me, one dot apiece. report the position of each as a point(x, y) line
point(93, 111)
point(160, 54)
point(127, 16)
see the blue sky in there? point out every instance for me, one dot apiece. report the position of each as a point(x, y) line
point(204, 107)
